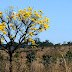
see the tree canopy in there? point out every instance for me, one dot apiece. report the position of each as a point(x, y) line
point(21, 25)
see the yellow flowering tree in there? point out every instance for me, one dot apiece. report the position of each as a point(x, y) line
point(22, 25)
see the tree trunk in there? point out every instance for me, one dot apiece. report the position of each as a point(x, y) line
point(10, 68)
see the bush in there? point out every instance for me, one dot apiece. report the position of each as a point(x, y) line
point(48, 59)
point(2, 66)
point(68, 55)
point(31, 56)
point(1, 57)
point(7, 58)
point(17, 55)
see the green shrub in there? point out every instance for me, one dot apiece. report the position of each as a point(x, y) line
point(7, 58)
point(2, 65)
point(17, 55)
point(1, 57)
point(31, 56)
point(68, 55)
point(48, 59)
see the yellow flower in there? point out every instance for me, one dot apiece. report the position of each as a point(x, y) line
point(13, 28)
point(33, 20)
point(0, 15)
point(24, 32)
point(31, 34)
point(25, 39)
point(36, 14)
point(24, 9)
point(18, 17)
point(7, 17)
point(1, 12)
point(11, 25)
point(3, 38)
point(4, 32)
point(45, 17)
point(29, 8)
point(48, 20)
point(14, 37)
point(1, 28)
point(32, 46)
point(32, 24)
point(11, 6)
point(4, 26)
point(45, 29)
point(3, 23)
point(40, 11)
point(35, 29)
point(2, 42)
point(35, 11)
point(10, 37)
point(28, 36)
point(21, 10)
point(30, 39)
point(41, 29)
point(33, 42)
point(12, 16)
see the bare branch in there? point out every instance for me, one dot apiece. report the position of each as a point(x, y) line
point(4, 38)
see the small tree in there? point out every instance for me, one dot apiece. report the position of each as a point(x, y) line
point(48, 59)
point(20, 26)
point(68, 55)
point(31, 56)
point(1, 57)
point(16, 55)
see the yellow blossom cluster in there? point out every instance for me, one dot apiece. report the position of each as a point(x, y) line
point(2, 27)
point(35, 20)
point(1, 14)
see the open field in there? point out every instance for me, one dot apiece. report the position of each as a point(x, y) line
point(20, 63)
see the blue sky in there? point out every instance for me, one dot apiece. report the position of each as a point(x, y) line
point(59, 13)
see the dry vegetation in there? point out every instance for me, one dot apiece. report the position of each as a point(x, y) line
point(20, 64)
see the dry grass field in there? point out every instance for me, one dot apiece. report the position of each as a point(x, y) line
point(20, 64)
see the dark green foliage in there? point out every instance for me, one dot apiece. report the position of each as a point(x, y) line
point(1, 57)
point(57, 45)
point(68, 55)
point(2, 66)
point(7, 58)
point(31, 56)
point(17, 55)
point(45, 44)
point(48, 59)
point(69, 43)
point(11, 43)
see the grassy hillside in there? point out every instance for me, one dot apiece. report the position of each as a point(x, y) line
point(56, 59)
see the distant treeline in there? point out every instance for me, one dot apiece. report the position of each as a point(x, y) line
point(43, 44)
